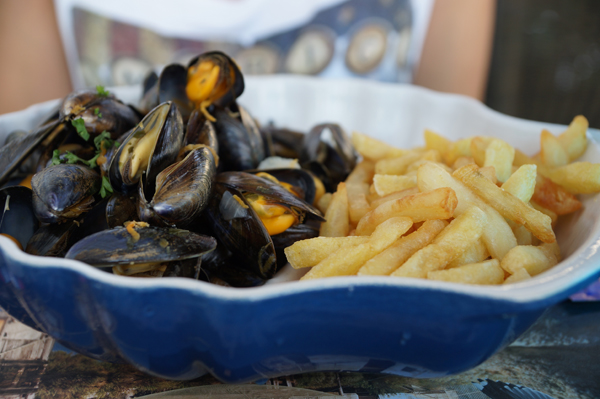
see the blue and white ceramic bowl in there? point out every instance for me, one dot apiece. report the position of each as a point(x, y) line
point(180, 329)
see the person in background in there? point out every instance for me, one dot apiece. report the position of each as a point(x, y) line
point(454, 58)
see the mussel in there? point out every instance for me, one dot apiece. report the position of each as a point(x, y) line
point(149, 148)
point(18, 220)
point(139, 249)
point(246, 210)
point(170, 86)
point(64, 191)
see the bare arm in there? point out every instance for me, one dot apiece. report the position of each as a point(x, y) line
point(33, 66)
point(457, 49)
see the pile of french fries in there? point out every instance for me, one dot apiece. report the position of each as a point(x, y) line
point(475, 211)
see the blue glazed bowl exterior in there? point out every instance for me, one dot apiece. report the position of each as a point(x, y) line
point(180, 329)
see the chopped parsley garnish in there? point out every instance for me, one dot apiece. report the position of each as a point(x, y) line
point(106, 187)
point(79, 125)
point(102, 92)
point(97, 112)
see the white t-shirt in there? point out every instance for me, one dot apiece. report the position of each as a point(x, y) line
point(116, 42)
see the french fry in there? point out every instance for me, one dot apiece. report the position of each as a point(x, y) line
point(489, 172)
point(500, 155)
point(323, 202)
point(523, 235)
point(374, 149)
point(435, 204)
point(460, 234)
point(394, 256)
point(508, 205)
point(522, 182)
point(533, 259)
point(394, 196)
point(577, 177)
point(307, 253)
point(337, 221)
point(497, 236)
point(358, 206)
point(552, 215)
point(574, 140)
point(363, 172)
point(478, 146)
point(434, 141)
point(459, 148)
point(387, 184)
point(520, 275)
point(552, 153)
point(553, 197)
point(413, 167)
point(347, 261)
point(474, 254)
point(488, 272)
point(462, 161)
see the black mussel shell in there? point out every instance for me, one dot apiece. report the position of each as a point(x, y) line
point(241, 232)
point(118, 247)
point(239, 149)
point(286, 143)
point(201, 131)
point(222, 267)
point(126, 168)
point(188, 268)
point(336, 154)
point(302, 180)
point(229, 74)
point(99, 112)
point(17, 150)
point(171, 87)
point(149, 92)
point(63, 192)
point(18, 218)
point(303, 231)
point(52, 239)
point(183, 190)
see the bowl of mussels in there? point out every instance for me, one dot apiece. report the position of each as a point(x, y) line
point(148, 225)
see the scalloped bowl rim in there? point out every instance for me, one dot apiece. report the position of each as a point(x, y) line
point(579, 266)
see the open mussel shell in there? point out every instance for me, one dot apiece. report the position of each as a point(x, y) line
point(201, 131)
point(63, 191)
point(239, 148)
point(182, 192)
point(221, 267)
point(237, 226)
point(99, 112)
point(302, 181)
point(18, 218)
point(229, 84)
point(149, 148)
point(53, 239)
point(334, 152)
point(16, 151)
point(170, 86)
point(154, 245)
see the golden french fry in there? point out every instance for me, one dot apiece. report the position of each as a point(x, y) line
point(394, 196)
point(552, 152)
point(307, 253)
point(400, 165)
point(459, 148)
point(552, 215)
point(574, 140)
point(553, 197)
point(323, 202)
point(374, 149)
point(337, 221)
point(460, 234)
point(487, 272)
point(362, 173)
point(577, 177)
point(394, 256)
point(478, 147)
point(497, 236)
point(462, 161)
point(489, 172)
point(413, 167)
point(533, 259)
point(520, 275)
point(358, 206)
point(523, 235)
point(435, 204)
point(347, 261)
point(474, 254)
point(500, 155)
point(434, 141)
point(522, 182)
point(387, 184)
point(507, 204)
